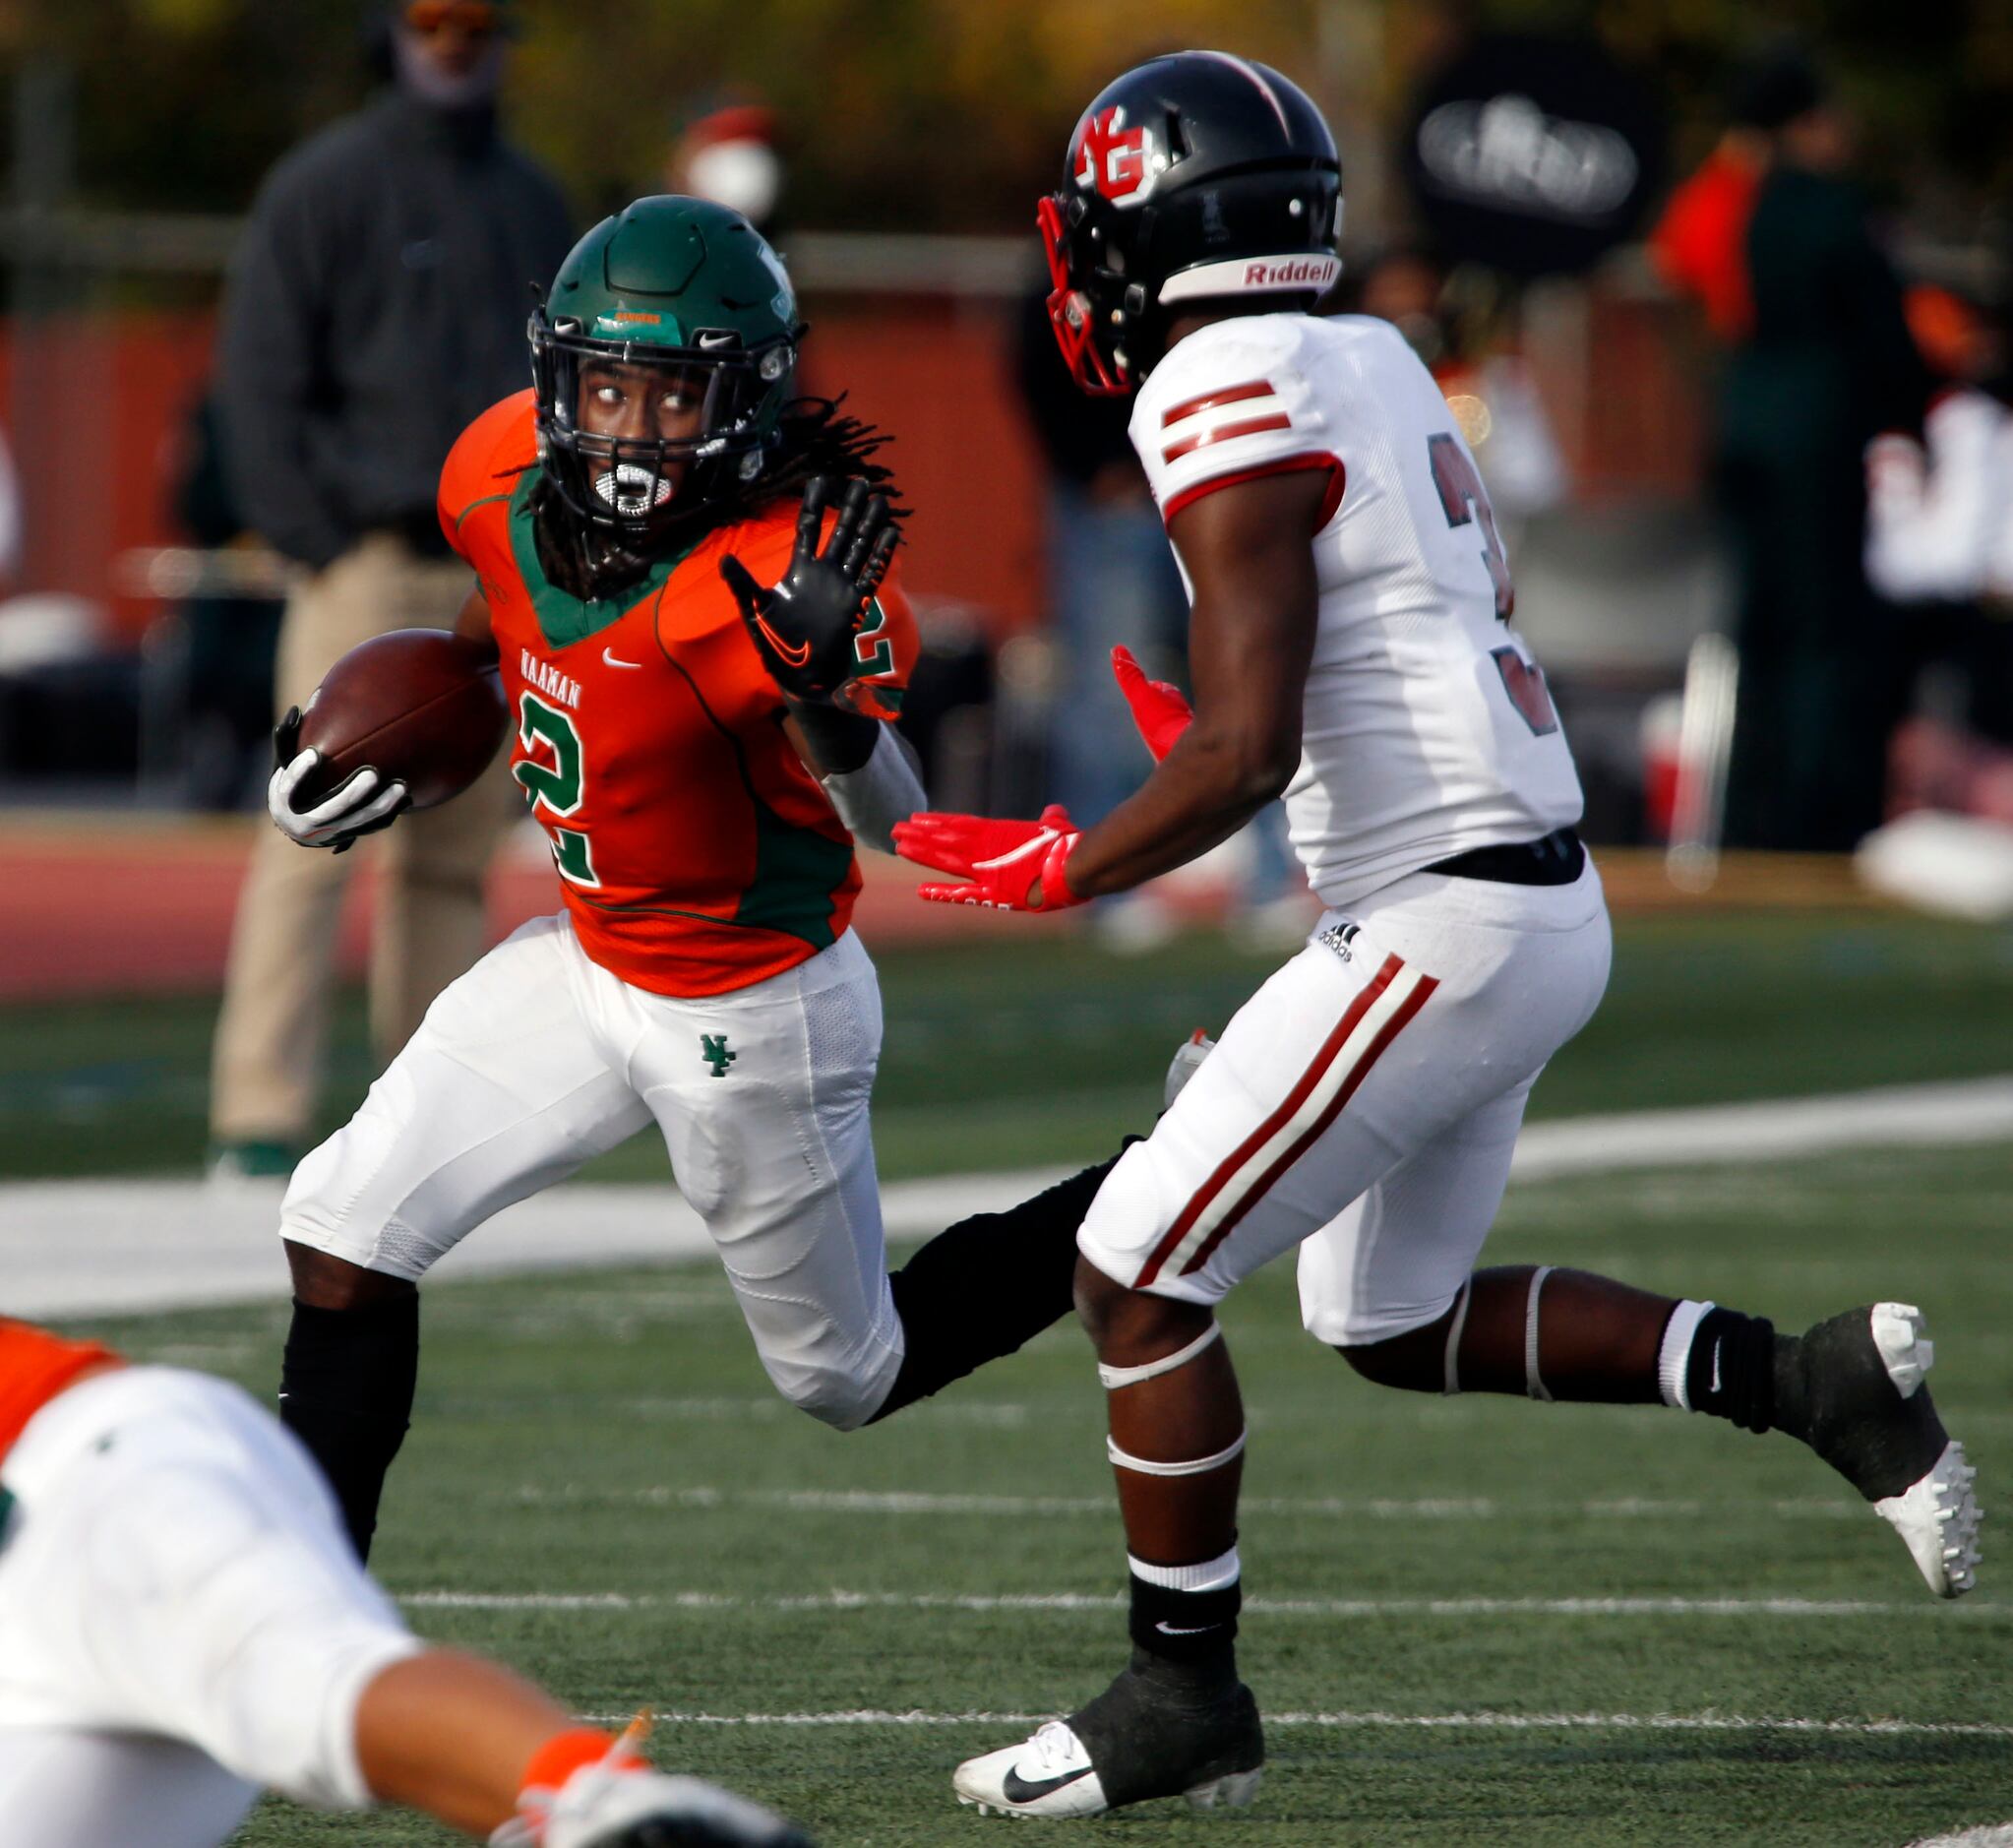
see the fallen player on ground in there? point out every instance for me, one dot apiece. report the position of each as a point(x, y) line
point(183, 1623)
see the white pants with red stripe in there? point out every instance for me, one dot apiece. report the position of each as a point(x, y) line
point(1363, 1106)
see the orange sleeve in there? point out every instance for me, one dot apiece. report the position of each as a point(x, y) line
point(486, 461)
point(34, 1366)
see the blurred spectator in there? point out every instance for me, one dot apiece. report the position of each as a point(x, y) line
point(728, 154)
point(1939, 530)
point(377, 304)
point(1941, 512)
point(1700, 243)
point(1825, 363)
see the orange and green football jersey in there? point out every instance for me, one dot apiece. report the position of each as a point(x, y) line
point(695, 852)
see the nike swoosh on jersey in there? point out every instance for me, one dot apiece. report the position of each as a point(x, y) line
point(1017, 1789)
point(1716, 1366)
point(796, 657)
point(615, 661)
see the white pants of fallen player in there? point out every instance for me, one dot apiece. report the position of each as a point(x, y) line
point(184, 1622)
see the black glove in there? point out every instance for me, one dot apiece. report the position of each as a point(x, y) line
point(804, 627)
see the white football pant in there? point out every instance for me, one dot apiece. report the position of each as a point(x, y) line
point(182, 1619)
point(537, 1059)
point(1363, 1106)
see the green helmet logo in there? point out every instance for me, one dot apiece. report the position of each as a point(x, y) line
point(662, 358)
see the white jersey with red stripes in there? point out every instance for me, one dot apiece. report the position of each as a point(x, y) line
point(1427, 727)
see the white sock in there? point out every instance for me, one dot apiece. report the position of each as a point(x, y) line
point(1217, 1575)
point(1674, 1358)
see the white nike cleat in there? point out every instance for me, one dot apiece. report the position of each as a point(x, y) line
point(1188, 1061)
point(1048, 1774)
point(1138, 1740)
point(1937, 1518)
point(1861, 1379)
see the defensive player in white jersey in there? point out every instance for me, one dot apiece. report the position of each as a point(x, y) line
point(1350, 645)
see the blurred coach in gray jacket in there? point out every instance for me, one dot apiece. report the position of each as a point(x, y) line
point(377, 304)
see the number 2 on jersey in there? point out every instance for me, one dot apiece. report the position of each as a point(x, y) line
point(1463, 497)
point(558, 786)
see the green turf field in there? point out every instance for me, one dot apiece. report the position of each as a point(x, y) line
point(611, 1438)
point(1419, 1569)
point(1016, 1053)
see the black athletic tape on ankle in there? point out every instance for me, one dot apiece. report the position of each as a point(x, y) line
point(1184, 1626)
point(1730, 1371)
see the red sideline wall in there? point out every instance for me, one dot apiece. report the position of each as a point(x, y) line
point(935, 373)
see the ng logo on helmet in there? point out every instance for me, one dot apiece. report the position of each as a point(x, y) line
point(1119, 163)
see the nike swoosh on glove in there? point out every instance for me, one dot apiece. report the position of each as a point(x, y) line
point(1004, 861)
point(805, 626)
point(1160, 709)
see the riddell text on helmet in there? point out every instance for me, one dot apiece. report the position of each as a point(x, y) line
point(1314, 272)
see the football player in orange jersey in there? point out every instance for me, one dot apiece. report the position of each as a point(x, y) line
point(689, 579)
point(184, 1624)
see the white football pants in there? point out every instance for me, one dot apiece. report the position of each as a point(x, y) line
point(539, 1058)
point(182, 1619)
point(1363, 1106)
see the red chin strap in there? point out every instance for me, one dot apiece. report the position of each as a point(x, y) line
point(1069, 314)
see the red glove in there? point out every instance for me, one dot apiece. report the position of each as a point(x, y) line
point(1004, 860)
point(1160, 709)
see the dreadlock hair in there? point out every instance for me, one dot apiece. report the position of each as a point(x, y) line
point(813, 437)
point(818, 438)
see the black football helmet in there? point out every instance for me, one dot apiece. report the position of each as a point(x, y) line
point(1192, 177)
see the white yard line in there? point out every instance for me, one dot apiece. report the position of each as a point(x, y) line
point(1373, 1720)
point(913, 1501)
point(1895, 1116)
point(77, 1248)
point(1258, 1607)
point(106, 1247)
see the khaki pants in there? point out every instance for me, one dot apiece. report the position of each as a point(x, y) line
point(266, 1063)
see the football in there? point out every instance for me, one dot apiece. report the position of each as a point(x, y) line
point(421, 707)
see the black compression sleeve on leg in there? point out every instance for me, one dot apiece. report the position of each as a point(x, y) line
point(987, 1285)
point(345, 1392)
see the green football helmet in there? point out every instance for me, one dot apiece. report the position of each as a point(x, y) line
point(691, 292)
